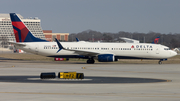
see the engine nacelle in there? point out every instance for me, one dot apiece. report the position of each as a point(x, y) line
point(106, 58)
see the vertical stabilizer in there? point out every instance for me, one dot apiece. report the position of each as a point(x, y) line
point(22, 33)
point(156, 40)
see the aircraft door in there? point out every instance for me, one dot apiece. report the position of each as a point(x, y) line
point(36, 49)
point(157, 50)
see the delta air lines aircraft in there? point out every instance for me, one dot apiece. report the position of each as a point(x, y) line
point(103, 52)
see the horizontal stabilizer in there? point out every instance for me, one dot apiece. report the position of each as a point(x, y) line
point(17, 44)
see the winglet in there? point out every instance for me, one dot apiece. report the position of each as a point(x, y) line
point(59, 45)
point(77, 39)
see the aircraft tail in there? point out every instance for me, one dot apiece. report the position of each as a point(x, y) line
point(156, 40)
point(22, 33)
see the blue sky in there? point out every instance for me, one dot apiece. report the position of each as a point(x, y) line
point(73, 16)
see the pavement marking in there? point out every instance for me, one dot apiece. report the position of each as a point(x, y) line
point(164, 95)
point(127, 71)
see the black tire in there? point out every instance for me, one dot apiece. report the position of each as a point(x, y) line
point(90, 61)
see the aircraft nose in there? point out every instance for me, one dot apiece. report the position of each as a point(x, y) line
point(173, 53)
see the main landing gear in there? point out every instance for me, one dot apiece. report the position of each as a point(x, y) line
point(90, 61)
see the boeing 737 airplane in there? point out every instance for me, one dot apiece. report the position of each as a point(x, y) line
point(103, 52)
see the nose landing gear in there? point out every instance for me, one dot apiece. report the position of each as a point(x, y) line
point(160, 62)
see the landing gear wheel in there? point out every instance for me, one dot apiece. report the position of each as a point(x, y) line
point(90, 61)
point(160, 62)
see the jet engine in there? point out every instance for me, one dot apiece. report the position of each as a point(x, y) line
point(106, 58)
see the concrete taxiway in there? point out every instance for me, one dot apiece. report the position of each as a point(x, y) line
point(19, 80)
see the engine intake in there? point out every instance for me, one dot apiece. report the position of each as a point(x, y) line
point(106, 58)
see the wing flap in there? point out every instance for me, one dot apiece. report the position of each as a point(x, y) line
point(83, 52)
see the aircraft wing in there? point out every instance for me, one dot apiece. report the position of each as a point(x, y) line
point(80, 52)
point(17, 44)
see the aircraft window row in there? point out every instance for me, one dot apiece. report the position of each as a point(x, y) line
point(82, 48)
point(142, 49)
point(121, 48)
point(104, 48)
point(99, 48)
point(49, 47)
point(54, 48)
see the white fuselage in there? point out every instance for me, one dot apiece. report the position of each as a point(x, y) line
point(119, 50)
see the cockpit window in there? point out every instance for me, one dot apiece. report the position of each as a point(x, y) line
point(166, 48)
